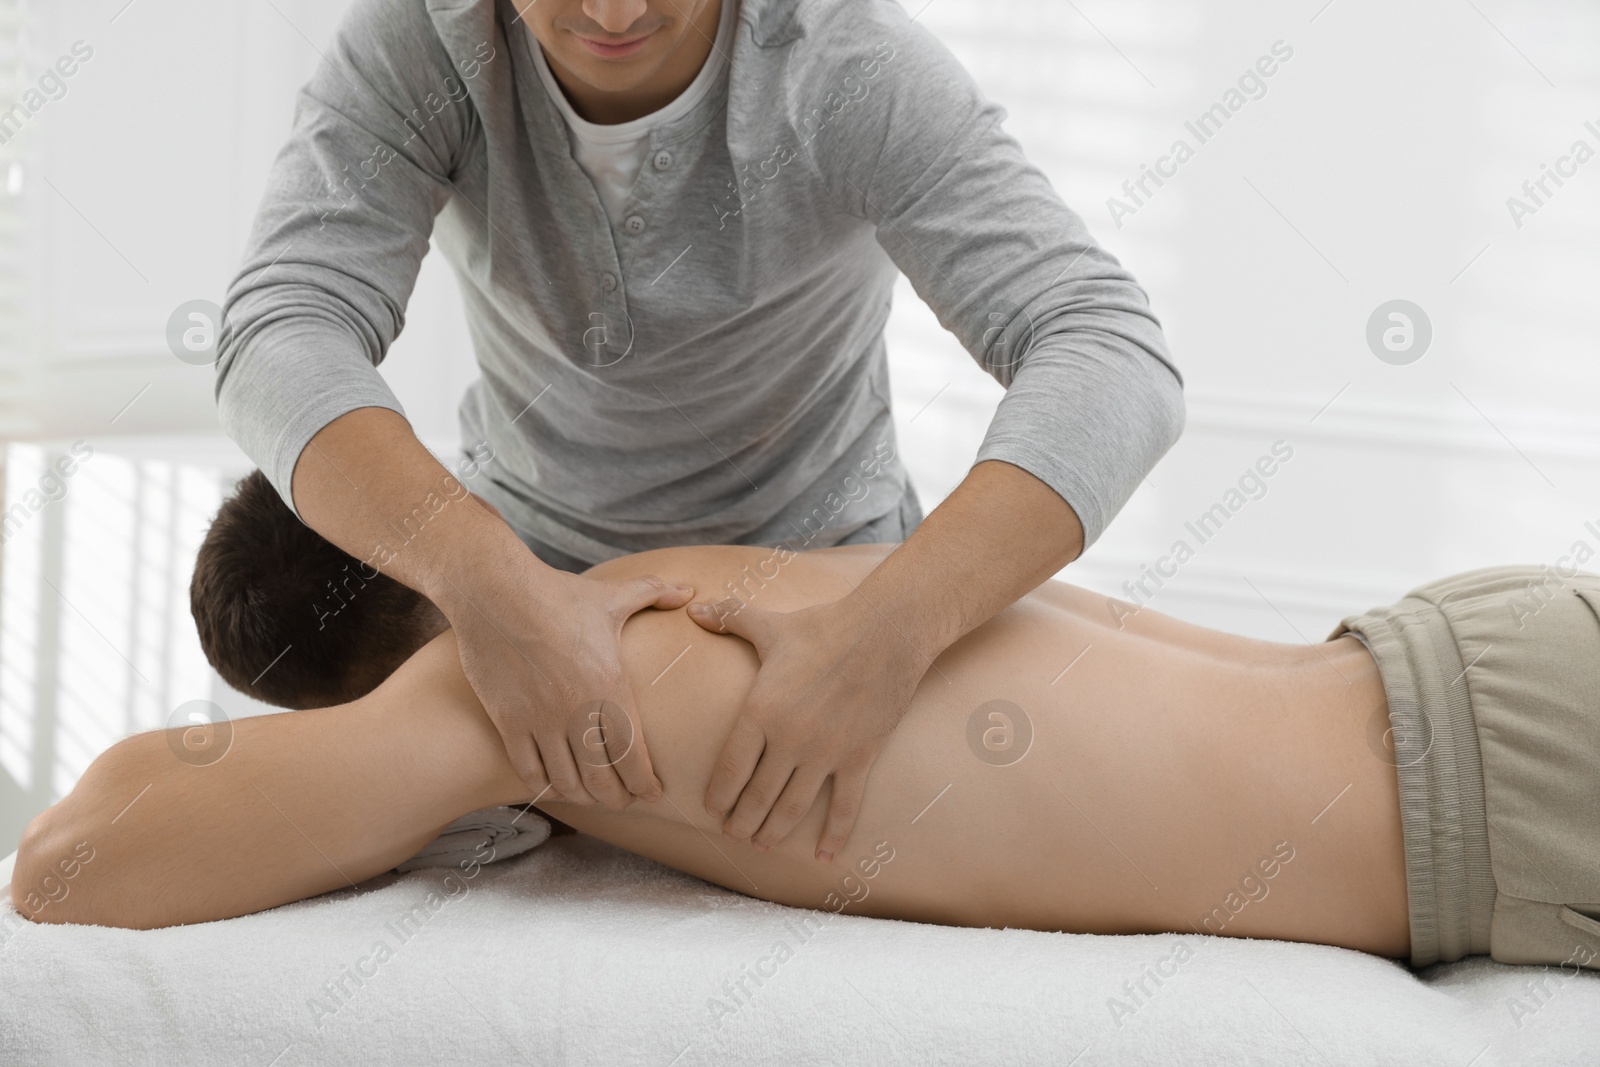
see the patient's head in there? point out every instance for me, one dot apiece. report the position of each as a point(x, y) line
point(265, 582)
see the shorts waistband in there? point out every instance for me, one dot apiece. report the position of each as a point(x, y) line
point(1449, 881)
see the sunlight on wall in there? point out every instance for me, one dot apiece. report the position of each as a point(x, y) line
point(96, 640)
point(20, 615)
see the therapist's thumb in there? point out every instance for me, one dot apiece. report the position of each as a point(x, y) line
point(650, 591)
point(733, 616)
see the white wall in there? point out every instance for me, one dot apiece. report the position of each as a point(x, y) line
point(1376, 166)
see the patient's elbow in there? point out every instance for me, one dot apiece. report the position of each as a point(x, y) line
point(55, 878)
point(50, 862)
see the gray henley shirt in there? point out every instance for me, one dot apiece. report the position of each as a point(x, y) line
point(711, 368)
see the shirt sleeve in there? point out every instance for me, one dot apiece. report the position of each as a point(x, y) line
point(1093, 398)
point(340, 234)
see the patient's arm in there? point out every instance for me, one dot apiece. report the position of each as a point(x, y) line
point(303, 802)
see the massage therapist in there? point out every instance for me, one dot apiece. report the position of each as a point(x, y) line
point(676, 225)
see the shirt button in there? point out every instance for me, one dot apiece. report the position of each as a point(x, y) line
point(663, 160)
point(634, 224)
point(608, 281)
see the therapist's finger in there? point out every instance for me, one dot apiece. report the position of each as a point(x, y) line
point(630, 755)
point(735, 765)
point(586, 740)
point(792, 805)
point(849, 786)
point(600, 733)
point(562, 770)
point(756, 801)
point(524, 757)
point(601, 780)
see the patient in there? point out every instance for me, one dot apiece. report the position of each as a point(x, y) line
point(1425, 784)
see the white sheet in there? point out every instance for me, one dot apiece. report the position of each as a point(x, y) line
point(579, 953)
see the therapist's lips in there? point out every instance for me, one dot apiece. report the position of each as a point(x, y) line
point(618, 50)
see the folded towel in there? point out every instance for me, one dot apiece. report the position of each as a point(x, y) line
point(485, 836)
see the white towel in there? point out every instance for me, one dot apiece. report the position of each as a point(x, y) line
point(485, 836)
point(578, 953)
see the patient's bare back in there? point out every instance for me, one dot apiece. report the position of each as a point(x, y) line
point(1070, 765)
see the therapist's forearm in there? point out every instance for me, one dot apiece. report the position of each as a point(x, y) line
point(997, 536)
point(368, 485)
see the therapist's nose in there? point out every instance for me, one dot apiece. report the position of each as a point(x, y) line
point(615, 16)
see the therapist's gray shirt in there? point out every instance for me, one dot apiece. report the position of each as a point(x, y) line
point(712, 368)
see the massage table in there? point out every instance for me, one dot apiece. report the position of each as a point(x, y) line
point(576, 952)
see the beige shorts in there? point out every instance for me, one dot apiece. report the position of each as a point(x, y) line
point(1493, 682)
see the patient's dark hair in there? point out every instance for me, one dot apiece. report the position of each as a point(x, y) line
point(265, 583)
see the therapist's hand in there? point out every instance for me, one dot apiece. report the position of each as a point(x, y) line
point(541, 648)
point(835, 680)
